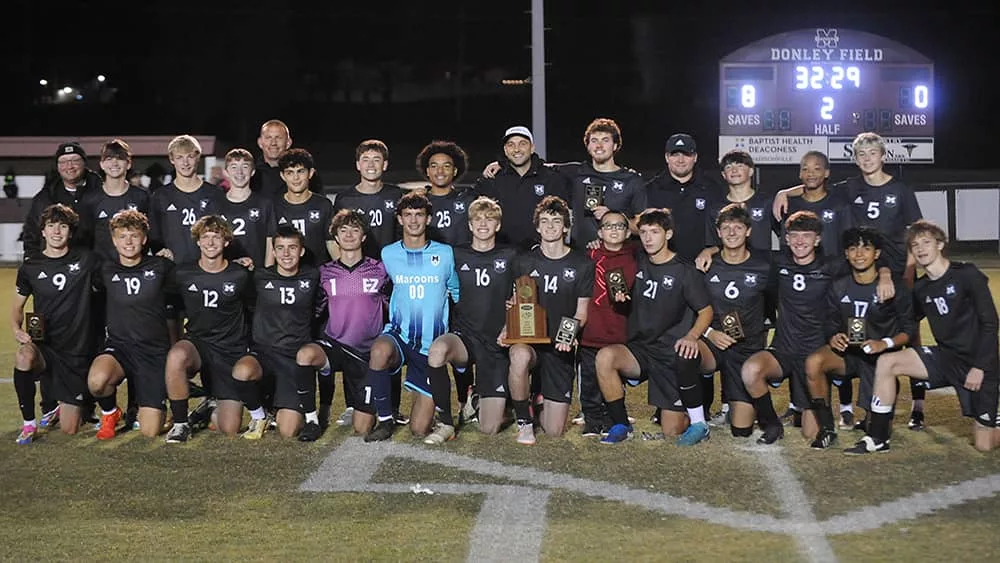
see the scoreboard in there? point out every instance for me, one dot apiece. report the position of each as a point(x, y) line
point(816, 89)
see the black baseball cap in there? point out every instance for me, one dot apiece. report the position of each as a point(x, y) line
point(681, 142)
point(71, 147)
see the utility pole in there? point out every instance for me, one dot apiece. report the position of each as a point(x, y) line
point(538, 75)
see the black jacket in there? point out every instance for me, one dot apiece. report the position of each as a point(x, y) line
point(688, 203)
point(56, 192)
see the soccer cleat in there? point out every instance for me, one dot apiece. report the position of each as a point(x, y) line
point(771, 434)
point(310, 432)
point(824, 439)
point(179, 433)
point(617, 433)
point(131, 419)
point(109, 423)
point(862, 425)
point(578, 419)
point(441, 434)
point(846, 420)
point(400, 418)
point(470, 411)
point(257, 428)
point(526, 433)
point(49, 419)
point(27, 435)
point(695, 433)
point(346, 418)
point(916, 420)
point(719, 419)
point(324, 371)
point(594, 428)
point(382, 431)
point(655, 419)
point(201, 416)
point(272, 420)
point(867, 445)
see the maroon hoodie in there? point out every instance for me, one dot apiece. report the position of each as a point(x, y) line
point(606, 320)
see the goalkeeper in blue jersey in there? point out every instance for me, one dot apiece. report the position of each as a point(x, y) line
point(424, 283)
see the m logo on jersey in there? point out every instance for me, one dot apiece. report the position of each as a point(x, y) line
point(950, 290)
point(699, 203)
point(569, 274)
point(890, 200)
point(435, 260)
point(304, 284)
point(229, 288)
point(828, 216)
point(254, 214)
point(203, 203)
point(369, 285)
point(617, 187)
point(668, 282)
point(389, 204)
point(459, 206)
point(132, 206)
point(149, 274)
point(74, 268)
point(539, 189)
point(750, 280)
point(500, 265)
point(313, 216)
point(193, 287)
point(757, 213)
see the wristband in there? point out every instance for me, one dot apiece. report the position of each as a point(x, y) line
point(707, 332)
point(889, 343)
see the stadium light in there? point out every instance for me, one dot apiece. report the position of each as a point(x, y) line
point(43, 82)
point(101, 78)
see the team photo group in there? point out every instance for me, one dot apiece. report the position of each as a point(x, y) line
point(536, 282)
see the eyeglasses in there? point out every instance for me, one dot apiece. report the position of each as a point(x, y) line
point(614, 226)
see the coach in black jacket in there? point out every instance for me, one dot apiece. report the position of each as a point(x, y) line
point(74, 180)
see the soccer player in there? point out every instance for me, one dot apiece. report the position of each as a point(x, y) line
point(520, 184)
point(215, 292)
point(116, 194)
point(372, 197)
point(308, 212)
point(885, 326)
point(738, 283)
point(174, 208)
point(485, 281)
point(282, 325)
point(355, 289)
point(251, 214)
point(832, 207)
point(955, 297)
point(565, 281)
point(442, 163)
point(424, 282)
point(737, 170)
point(137, 341)
point(60, 279)
point(606, 317)
point(662, 342)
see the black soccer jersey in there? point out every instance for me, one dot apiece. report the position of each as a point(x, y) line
point(380, 209)
point(101, 207)
point(450, 223)
point(835, 214)
point(286, 307)
point(663, 297)
point(742, 288)
point(889, 209)
point(137, 304)
point(761, 218)
point(62, 289)
point(312, 219)
point(560, 282)
point(961, 312)
point(172, 213)
point(253, 222)
point(624, 190)
point(848, 298)
point(486, 280)
point(801, 302)
point(214, 304)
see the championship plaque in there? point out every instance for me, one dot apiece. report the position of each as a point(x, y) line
point(594, 197)
point(568, 327)
point(34, 325)
point(526, 321)
point(615, 282)
point(732, 326)
point(857, 331)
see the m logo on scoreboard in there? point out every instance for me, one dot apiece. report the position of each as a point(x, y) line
point(827, 38)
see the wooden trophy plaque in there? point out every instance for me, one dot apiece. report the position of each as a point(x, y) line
point(526, 321)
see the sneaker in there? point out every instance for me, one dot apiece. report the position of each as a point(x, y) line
point(382, 431)
point(771, 434)
point(441, 434)
point(867, 445)
point(257, 428)
point(594, 428)
point(719, 419)
point(824, 439)
point(695, 433)
point(526, 433)
point(49, 419)
point(846, 420)
point(916, 420)
point(109, 423)
point(201, 416)
point(617, 433)
point(862, 425)
point(346, 418)
point(469, 411)
point(578, 419)
point(179, 433)
point(400, 418)
point(310, 432)
point(27, 435)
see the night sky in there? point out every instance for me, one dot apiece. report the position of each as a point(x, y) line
point(224, 67)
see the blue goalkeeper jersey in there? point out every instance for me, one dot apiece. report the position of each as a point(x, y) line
point(423, 284)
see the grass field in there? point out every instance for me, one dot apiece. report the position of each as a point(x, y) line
point(932, 498)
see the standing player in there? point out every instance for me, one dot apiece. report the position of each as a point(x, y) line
point(308, 212)
point(137, 336)
point(442, 163)
point(886, 326)
point(424, 282)
point(662, 343)
point(832, 207)
point(565, 282)
point(250, 214)
point(115, 194)
point(955, 297)
point(372, 197)
point(215, 292)
point(60, 279)
point(485, 282)
point(283, 323)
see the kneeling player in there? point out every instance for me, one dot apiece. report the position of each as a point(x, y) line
point(955, 297)
point(215, 292)
point(662, 344)
point(859, 328)
point(138, 339)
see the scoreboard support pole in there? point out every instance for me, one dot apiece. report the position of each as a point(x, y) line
point(538, 75)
